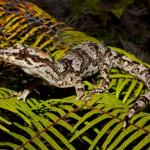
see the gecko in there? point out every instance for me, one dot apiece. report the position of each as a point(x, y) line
point(81, 61)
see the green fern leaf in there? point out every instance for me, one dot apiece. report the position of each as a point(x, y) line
point(89, 125)
point(8, 145)
point(102, 132)
point(124, 133)
point(110, 137)
point(143, 142)
point(23, 140)
point(84, 118)
point(45, 136)
point(32, 133)
point(133, 137)
point(131, 88)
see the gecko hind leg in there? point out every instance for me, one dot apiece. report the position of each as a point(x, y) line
point(138, 106)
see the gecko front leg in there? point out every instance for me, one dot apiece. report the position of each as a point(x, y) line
point(22, 95)
point(79, 87)
point(104, 74)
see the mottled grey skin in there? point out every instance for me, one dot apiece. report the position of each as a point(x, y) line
point(81, 61)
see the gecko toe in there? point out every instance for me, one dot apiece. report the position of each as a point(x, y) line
point(83, 98)
point(99, 90)
point(22, 97)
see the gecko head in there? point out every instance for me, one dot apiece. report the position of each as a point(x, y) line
point(22, 51)
point(24, 56)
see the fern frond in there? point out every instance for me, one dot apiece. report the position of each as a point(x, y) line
point(61, 125)
point(66, 123)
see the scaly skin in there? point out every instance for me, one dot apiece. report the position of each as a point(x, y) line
point(81, 61)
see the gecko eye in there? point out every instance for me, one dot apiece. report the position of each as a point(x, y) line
point(23, 53)
point(35, 59)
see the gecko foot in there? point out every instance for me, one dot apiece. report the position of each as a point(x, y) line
point(139, 105)
point(23, 95)
point(131, 112)
point(125, 122)
point(84, 98)
point(129, 115)
point(99, 90)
